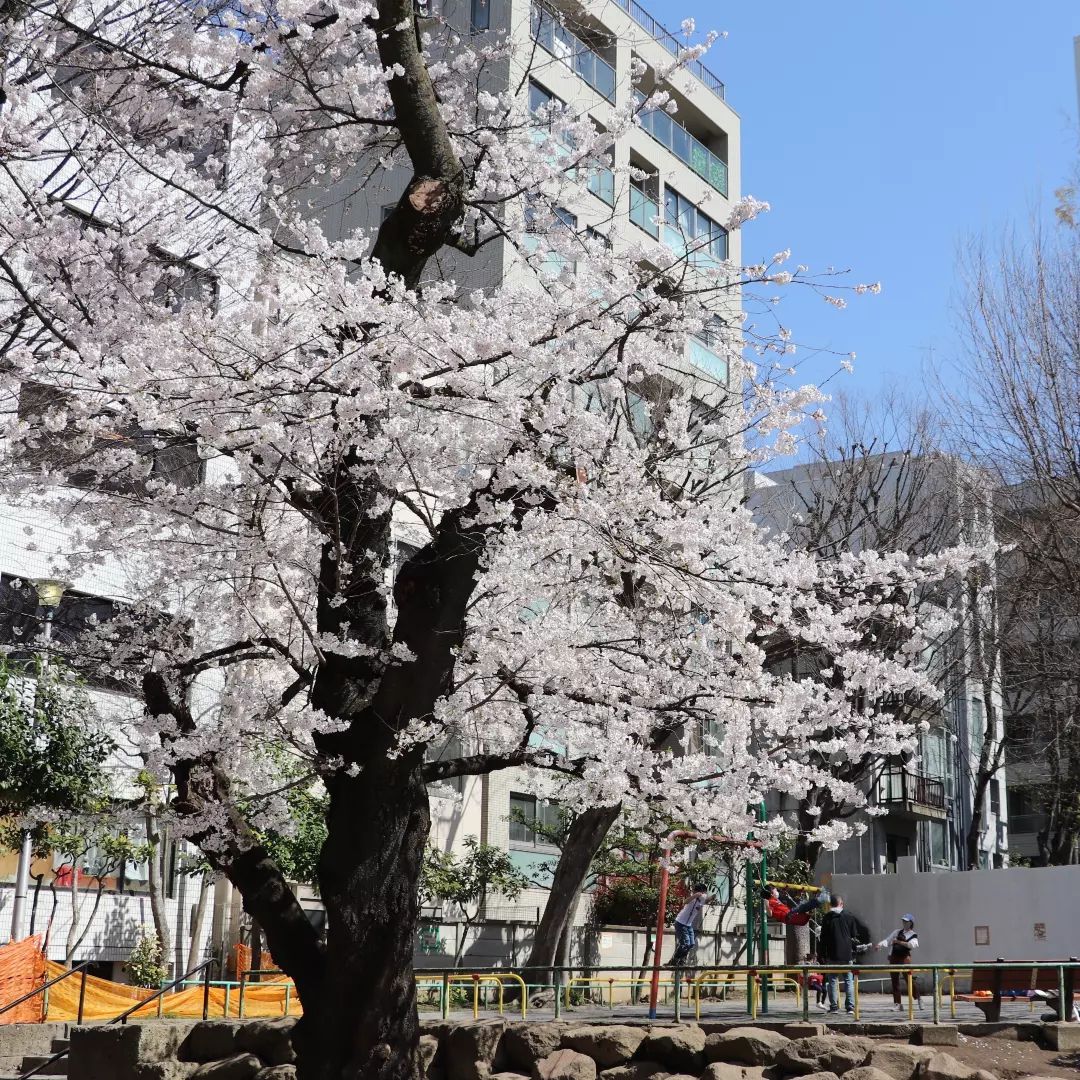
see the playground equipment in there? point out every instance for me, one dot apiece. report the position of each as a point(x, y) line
point(666, 846)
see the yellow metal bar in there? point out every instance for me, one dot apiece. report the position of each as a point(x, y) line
point(476, 997)
point(792, 887)
point(753, 997)
point(855, 986)
point(910, 1001)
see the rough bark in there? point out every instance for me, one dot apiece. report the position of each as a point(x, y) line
point(198, 921)
point(154, 886)
point(583, 840)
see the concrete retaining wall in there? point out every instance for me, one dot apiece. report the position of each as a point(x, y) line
point(1018, 913)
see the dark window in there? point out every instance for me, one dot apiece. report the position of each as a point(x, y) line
point(480, 15)
point(77, 615)
point(525, 812)
point(116, 462)
point(995, 797)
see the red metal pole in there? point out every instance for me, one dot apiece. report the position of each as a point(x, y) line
point(654, 991)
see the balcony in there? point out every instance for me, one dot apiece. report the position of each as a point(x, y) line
point(672, 135)
point(669, 41)
point(549, 33)
point(708, 361)
point(913, 794)
point(645, 212)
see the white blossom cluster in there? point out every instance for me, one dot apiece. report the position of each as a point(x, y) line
point(163, 278)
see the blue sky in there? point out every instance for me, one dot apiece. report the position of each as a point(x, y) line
point(883, 133)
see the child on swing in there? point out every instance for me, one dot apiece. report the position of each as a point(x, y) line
point(789, 913)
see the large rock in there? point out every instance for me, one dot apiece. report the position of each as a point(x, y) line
point(120, 1051)
point(822, 1076)
point(165, 1070)
point(745, 1045)
point(636, 1070)
point(866, 1072)
point(942, 1066)
point(607, 1044)
point(211, 1040)
point(824, 1053)
point(235, 1067)
point(429, 1047)
point(681, 1048)
point(524, 1044)
point(937, 1035)
point(565, 1065)
point(469, 1049)
point(899, 1060)
point(277, 1072)
point(271, 1040)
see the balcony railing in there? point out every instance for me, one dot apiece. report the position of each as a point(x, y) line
point(670, 133)
point(901, 786)
point(645, 212)
point(564, 45)
point(670, 42)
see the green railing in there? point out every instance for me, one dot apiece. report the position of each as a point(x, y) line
point(684, 986)
point(667, 131)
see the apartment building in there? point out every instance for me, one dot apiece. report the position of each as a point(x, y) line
point(921, 807)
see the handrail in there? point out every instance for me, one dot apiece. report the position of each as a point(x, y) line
point(45, 986)
point(122, 1018)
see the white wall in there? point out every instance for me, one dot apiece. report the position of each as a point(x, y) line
point(948, 906)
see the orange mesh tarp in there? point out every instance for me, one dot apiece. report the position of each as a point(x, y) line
point(22, 969)
point(105, 1000)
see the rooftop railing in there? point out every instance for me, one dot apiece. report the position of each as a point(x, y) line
point(670, 42)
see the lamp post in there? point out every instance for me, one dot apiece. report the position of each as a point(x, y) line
point(50, 593)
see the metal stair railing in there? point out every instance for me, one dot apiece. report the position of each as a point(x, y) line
point(52, 982)
point(204, 967)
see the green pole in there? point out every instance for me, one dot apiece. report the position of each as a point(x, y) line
point(764, 949)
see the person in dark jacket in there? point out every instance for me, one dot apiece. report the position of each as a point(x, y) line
point(842, 936)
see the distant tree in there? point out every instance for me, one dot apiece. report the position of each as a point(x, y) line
point(52, 746)
point(467, 882)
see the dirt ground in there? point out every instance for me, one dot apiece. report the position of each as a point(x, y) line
point(1010, 1059)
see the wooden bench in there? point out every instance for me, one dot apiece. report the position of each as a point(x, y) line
point(1013, 981)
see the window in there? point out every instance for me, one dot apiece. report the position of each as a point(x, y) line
point(978, 722)
point(938, 843)
point(541, 100)
point(480, 15)
point(995, 797)
point(553, 262)
point(686, 227)
point(526, 812)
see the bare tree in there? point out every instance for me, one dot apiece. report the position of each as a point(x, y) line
point(1016, 410)
point(877, 479)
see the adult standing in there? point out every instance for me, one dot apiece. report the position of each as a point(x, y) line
point(901, 943)
point(842, 934)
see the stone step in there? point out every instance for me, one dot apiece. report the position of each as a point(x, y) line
point(54, 1068)
point(59, 1044)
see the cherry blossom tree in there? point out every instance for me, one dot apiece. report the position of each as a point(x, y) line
point(244, 409)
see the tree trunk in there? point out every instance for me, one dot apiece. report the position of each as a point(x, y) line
point(646, 965)
point(975, 828)
point(256, 951)
point(583, 841)
point(362, 1021)
point(197, 923)
point(154, 887)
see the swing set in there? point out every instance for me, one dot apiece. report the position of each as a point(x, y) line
point(757, 923)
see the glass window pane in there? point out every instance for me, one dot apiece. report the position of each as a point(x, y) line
point(481, 14)
point(522, 814)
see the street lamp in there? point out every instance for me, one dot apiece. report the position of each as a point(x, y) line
point(49, 592)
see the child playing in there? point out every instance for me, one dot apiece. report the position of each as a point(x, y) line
point(790, 913)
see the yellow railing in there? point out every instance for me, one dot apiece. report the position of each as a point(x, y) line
point(444, 983)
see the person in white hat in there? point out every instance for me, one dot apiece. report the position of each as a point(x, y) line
point(901, 943)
